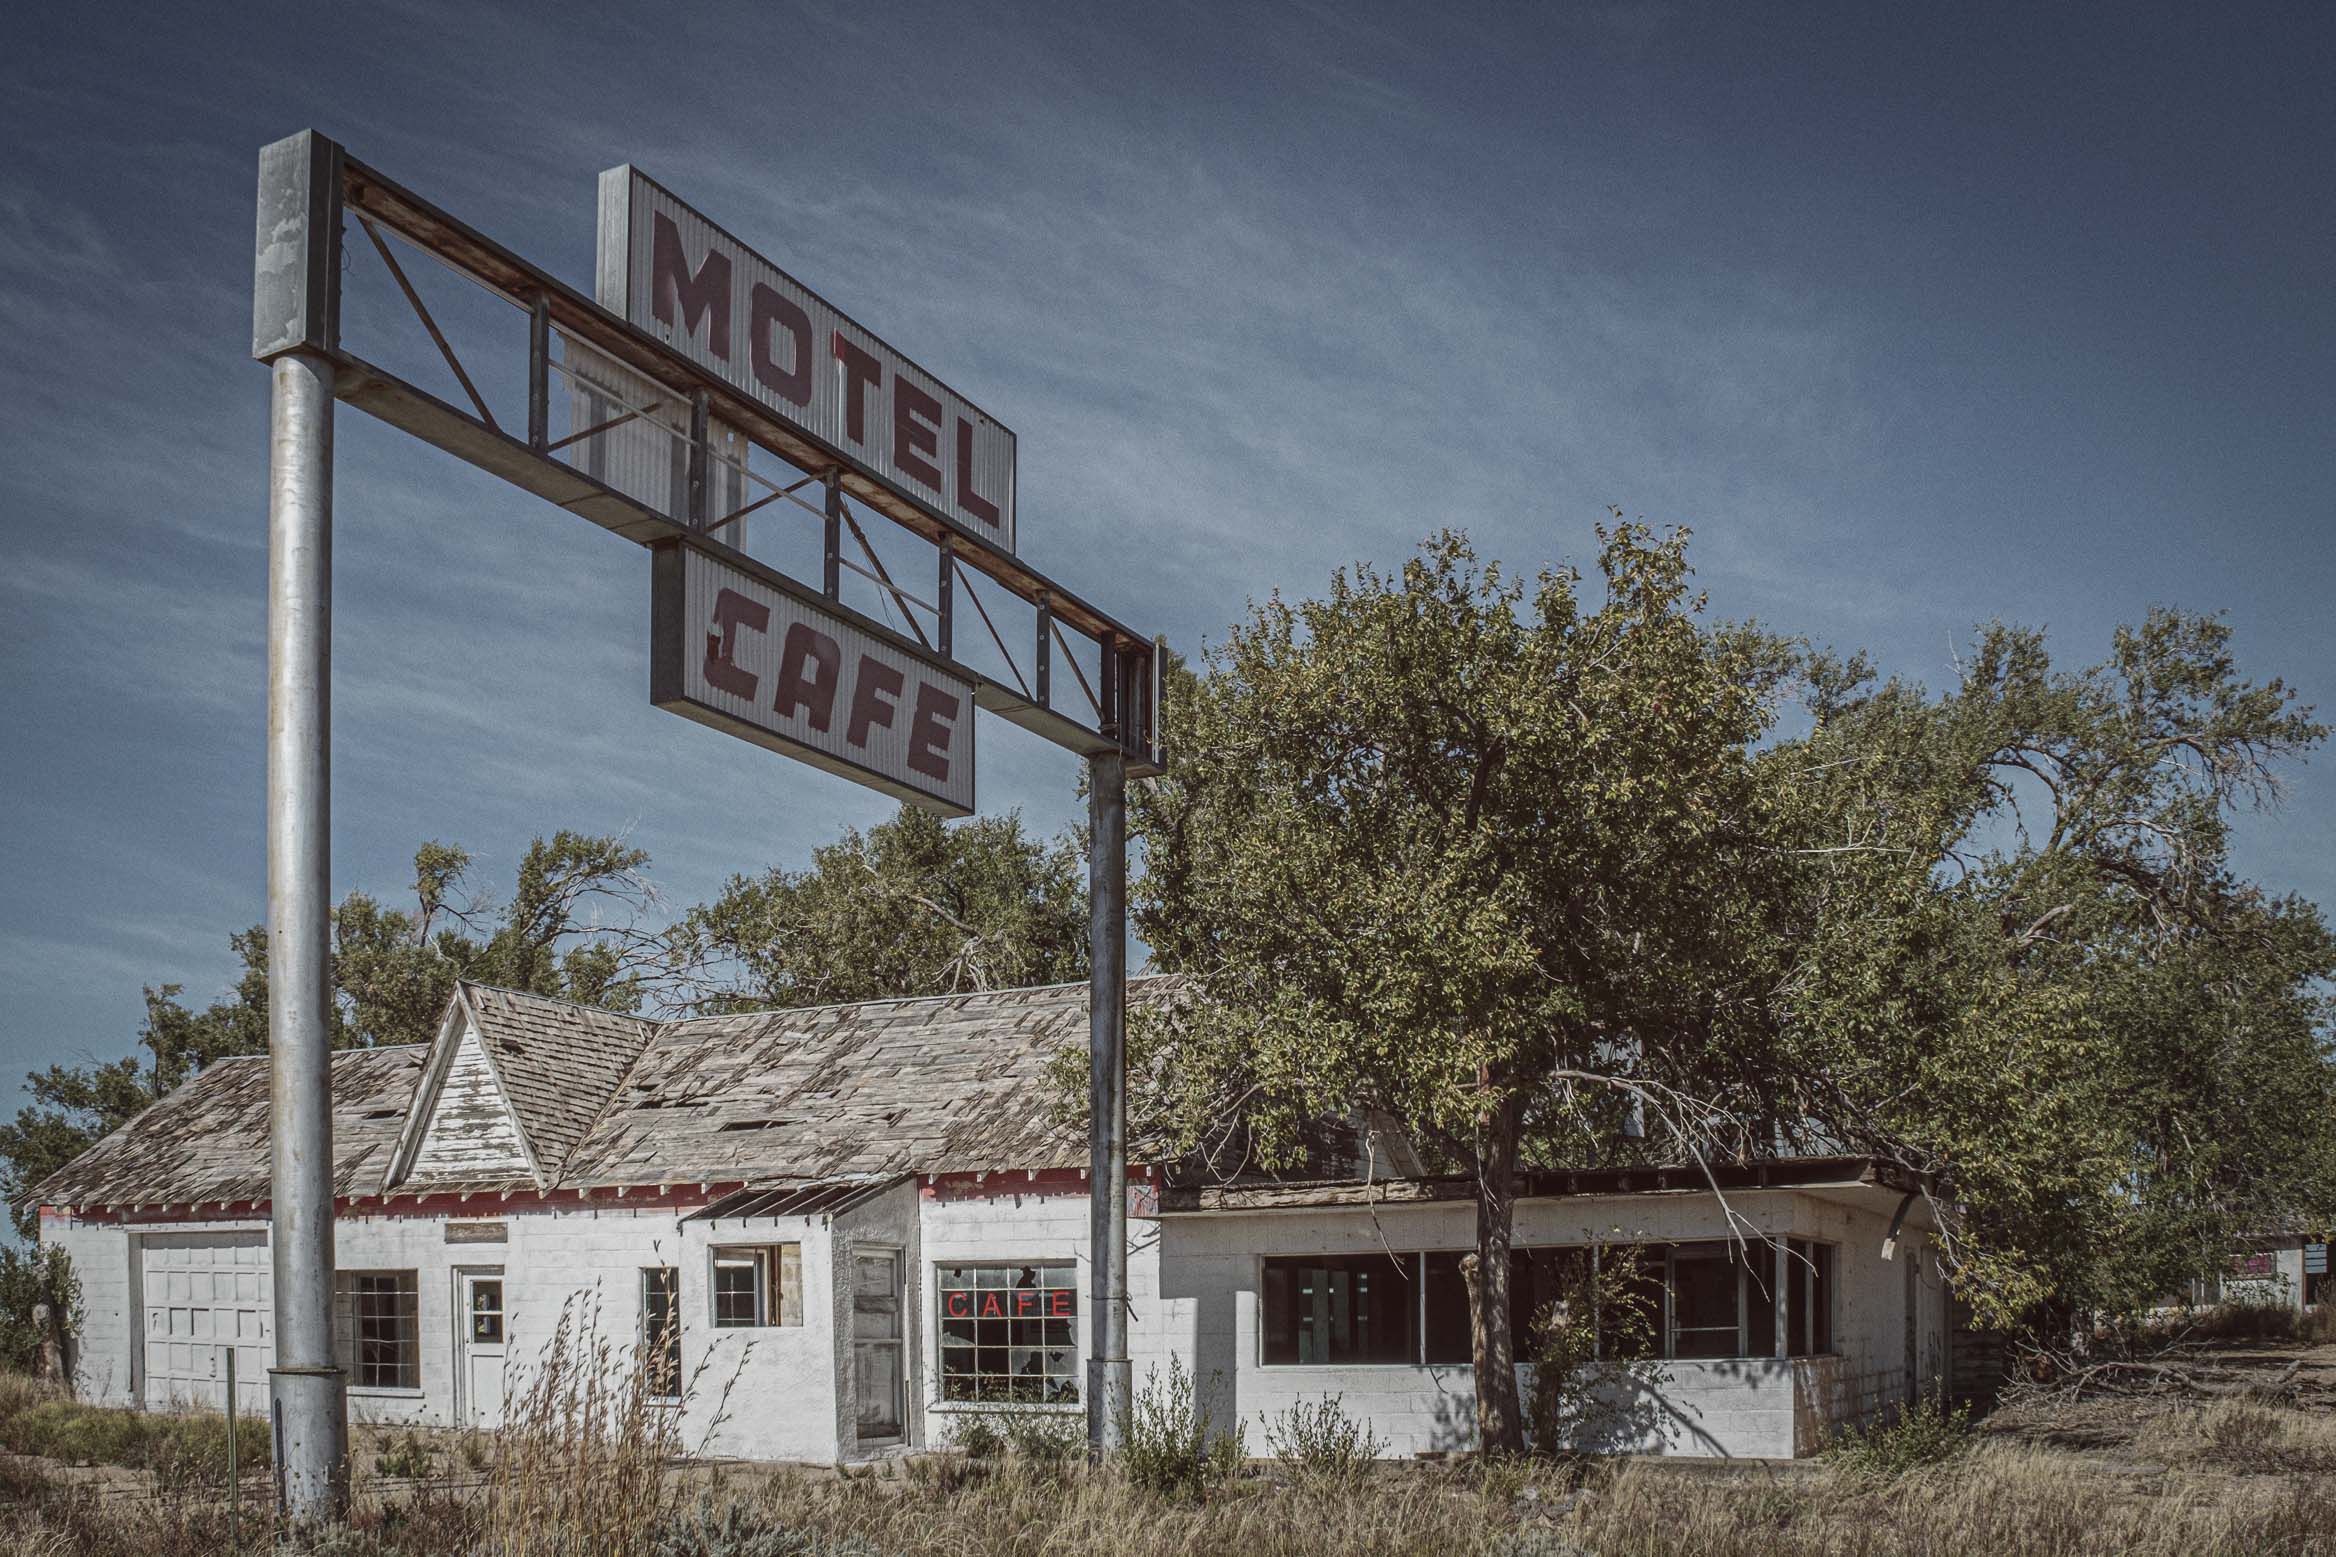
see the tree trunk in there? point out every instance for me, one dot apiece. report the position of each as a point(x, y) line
point(1499, 1423)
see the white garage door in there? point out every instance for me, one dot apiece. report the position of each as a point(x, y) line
point(204, 1293)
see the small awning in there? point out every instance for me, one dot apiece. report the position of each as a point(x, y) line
point(816, 1197)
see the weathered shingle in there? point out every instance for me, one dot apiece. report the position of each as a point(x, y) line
point(208, 1141)
point(559, 1063)
point(940, 1085)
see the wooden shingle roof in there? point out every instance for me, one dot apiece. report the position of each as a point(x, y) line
point(953, 1084)
point(559, 1063)
point(208, 1141)
point(946, 1084)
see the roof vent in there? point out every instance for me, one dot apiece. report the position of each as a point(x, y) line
point(756, 1124)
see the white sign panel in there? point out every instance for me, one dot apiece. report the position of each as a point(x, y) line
point(732, 649)
point(690, 284)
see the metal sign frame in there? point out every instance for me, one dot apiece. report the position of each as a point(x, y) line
point(308, 184)
point(309, 188)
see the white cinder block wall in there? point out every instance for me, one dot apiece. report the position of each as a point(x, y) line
point(103, 1367)
point(788, 1392)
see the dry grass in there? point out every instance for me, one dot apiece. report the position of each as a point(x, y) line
point(584, 1469)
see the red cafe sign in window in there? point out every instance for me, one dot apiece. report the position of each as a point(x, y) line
point(1014, 1303)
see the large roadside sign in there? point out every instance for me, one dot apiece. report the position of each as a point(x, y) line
point(763, 658)
point(671, 272)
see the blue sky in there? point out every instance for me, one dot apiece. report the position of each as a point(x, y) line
point(1920, 317)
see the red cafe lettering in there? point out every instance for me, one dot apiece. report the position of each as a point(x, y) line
point(764, 659)
point(1011, 1303)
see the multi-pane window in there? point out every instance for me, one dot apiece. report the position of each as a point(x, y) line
point(1537, 1279)
point(486, 1311)
point(661, 1330)
point(379, 1320)
point(1713, 1299)
point(760, 1284)
point(1009, 1333)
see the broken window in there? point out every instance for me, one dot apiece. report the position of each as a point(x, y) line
point(661, 1330)
point(1009, 1333)
point(758, 1285)
point(377, 1321)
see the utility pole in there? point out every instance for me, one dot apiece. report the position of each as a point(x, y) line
point(295, 307)
point(1109, 1376)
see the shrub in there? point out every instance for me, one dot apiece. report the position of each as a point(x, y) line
point(80, 1435)
point(1925, 1433)
point(1166, 1445)
point(408, 1457)
point(2318, 1325)
point(1045, 1437)
point(182, 1451)
point(1594, 1353)
point(30, 1279)
point(1322, 1443)
point(2240, 1322)
point(978, 1434)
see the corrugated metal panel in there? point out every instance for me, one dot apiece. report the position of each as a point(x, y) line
point(830, 1197)
point(726, 307)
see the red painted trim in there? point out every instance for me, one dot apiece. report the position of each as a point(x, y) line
point(480, 1205)
point(1015, 1181)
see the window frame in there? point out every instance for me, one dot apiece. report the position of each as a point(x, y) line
point(769, 1262)
point(349, 1316)
point(1074, 1382)
point(1813, 1283)
point(652, 1346)
point(1416, 1281)
point(1752, 1268)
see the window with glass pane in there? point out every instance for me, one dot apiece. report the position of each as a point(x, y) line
point(758, 1284)
point(1355, 1308)
point(661, 1329)
point(486, 1312)
point(1704, 1298)
point(382, 1309)
point(1009, 1333)
point(739, 1284)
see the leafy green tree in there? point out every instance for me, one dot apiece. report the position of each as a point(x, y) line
point(911, 907)
point(2018, 957)
point(569, 929)
point(1461, 848)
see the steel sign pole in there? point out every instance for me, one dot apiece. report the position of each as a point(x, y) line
point(295, 327)
point(1109, 1377)
point(306, 1386)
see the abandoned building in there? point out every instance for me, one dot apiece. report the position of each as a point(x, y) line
point(854, 1224)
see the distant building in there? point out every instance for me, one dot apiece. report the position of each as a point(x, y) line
point(2285, 1269)
point(869, 1218)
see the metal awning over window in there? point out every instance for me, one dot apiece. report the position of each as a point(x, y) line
point(816, 1197)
